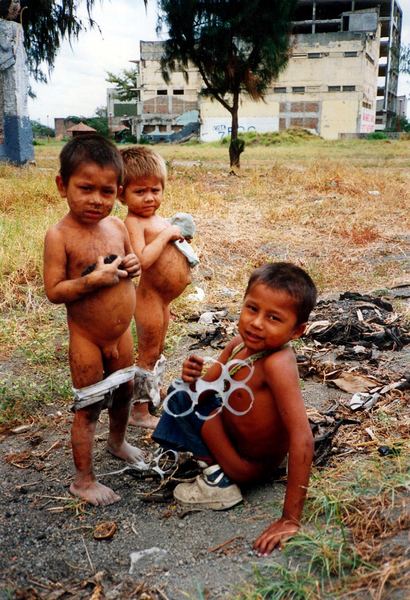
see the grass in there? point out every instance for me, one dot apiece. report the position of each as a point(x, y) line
point(297, 198)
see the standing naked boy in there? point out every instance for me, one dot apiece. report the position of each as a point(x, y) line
point(247, 447)
point(99, 297)
point(165, 270)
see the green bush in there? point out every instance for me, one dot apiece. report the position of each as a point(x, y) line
point(377, 135)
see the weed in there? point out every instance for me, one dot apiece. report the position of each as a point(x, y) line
point(278, 582)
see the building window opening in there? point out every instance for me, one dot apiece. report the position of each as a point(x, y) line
point(314, 55)
point(350, 53)
point(178, 92)
point(162, 92)
point(298, 89)
point(333, 88)
point(349, 88)
point(279, 90)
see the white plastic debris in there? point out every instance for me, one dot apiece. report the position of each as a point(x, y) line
point(197, 296)
point(373, 193)
point(147, 557)
point(363, 400)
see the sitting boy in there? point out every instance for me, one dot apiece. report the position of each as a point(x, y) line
point(100, 300)
point(165, 268)
point(244, 441)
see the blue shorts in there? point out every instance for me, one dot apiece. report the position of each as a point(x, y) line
point(184, 433)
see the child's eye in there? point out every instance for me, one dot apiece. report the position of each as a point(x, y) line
point(251, 307)
point(273, 318)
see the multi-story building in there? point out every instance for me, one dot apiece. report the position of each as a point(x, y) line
point(341, 79)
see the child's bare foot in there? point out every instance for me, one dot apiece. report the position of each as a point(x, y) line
point(131, 454)
point(94, 492)
point(141, 417)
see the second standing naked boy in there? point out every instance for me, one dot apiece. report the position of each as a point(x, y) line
point(165, 270)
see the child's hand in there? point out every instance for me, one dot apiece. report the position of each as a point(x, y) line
point(275, 535)
point(109, 274)
point(192, 368)
point(174, 233)
point(132, 265)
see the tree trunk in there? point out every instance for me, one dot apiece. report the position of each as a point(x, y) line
point(236, 147)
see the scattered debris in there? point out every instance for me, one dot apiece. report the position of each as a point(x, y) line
point(105, 530)
point(197, 296)
point(358, 320)
point(140, 559)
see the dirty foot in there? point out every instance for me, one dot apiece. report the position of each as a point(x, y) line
point(141, 417)
point(131, 454)
point(94, 493)
point(148, 421)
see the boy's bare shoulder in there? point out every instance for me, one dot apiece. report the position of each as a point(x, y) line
point(282, 360)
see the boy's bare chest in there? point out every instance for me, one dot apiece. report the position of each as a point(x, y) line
point(84, 248)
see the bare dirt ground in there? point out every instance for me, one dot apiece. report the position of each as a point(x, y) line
point(48, 547)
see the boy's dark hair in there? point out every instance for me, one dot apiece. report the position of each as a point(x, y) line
point(291, 279)
point(89, 148)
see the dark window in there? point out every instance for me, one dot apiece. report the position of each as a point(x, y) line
point(162, 92)
point(370, 58)
point(298, 90)
point(314, 55)
point(279, 90)
point(178, 92)
point(333, 88)
point(350, 54)
point(349, 88)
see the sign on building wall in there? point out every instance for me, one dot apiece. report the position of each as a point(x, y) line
point(216, 128)
point(367, 121)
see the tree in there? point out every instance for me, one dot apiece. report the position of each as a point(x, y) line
point(46, 23)
point(125, 84)
point(238, 46)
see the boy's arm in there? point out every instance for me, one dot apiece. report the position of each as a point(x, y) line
point(61, 290)
point(149, 253)
point(283, 378)
point(130, 261)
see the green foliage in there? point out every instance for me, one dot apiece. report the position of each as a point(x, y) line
point(377, 135)
point(125, 84)
point(271, 138)
point(41, 131)
point(237, 45)
point(100, 124)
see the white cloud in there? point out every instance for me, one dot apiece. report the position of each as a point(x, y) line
point(77, 84)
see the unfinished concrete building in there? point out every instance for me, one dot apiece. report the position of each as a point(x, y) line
point(341, 79)
point(332, 16)
point(161, 111)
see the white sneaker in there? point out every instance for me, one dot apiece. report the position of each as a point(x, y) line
point(212, 489)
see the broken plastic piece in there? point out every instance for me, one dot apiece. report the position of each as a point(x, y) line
point(223, 387)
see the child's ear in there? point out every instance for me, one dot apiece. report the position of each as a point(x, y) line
point(61, 187)
point(299, 331)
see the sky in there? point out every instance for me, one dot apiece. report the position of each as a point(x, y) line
point(77, 85)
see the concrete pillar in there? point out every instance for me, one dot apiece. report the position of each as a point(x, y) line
point(16, 137)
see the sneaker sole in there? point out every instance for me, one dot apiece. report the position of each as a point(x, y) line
point(210, 505)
